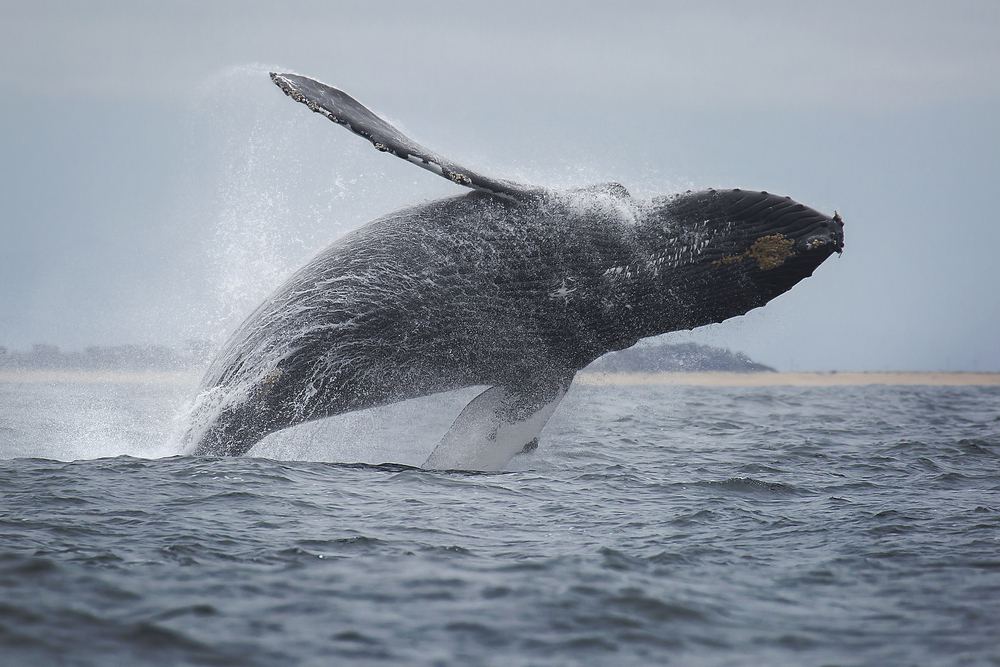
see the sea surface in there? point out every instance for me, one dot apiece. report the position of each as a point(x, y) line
point(654, 525)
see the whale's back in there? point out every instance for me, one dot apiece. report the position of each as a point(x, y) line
point(454, 293)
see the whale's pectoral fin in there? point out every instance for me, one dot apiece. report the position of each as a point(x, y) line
point(344, 110)
point(495, 426)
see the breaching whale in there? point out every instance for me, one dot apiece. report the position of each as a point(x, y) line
point(511, 286)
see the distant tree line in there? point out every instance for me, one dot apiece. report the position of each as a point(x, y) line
point(675, 358)
point(657, 358)
point(111, 357)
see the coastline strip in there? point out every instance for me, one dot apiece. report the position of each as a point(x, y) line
point(698, 379)
point(79, 376)
point(812, 379)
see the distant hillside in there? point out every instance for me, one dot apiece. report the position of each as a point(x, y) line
point(676, 357)
point(108, 357)
point(640, 359)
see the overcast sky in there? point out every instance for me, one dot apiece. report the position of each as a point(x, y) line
point(155, 185)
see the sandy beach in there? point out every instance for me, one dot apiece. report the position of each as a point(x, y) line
point(701, 379)
point(718, 379)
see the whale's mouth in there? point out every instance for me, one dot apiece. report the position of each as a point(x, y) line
point(731, 251)
point(771, 250)
point(830, 237)
point(775, 262)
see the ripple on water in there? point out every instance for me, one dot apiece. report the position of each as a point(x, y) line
point(749, 485)
point(653, 526)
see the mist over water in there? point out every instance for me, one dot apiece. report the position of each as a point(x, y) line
point(272, 204)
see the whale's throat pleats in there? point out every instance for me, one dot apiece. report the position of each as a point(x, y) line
point(708, 256)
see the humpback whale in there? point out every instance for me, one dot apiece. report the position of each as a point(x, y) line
point(510, 286)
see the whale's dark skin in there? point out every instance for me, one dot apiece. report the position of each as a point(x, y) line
point(512, 287)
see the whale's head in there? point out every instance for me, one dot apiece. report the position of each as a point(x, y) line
point(717, 254)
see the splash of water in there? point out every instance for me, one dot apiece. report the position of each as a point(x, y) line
point(273, 208)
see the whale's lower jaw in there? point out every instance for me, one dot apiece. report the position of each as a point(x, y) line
point(732, 251)
point(767, 285)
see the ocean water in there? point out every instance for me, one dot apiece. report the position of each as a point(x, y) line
point(654, 525)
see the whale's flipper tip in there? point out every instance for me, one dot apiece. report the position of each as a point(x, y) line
point(344, 110)
point(497, 425)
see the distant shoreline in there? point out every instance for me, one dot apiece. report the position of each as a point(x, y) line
point(802, 379)
point(697, 379)
point(89, 376)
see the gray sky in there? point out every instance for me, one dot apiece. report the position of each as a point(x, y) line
point(156, 185)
